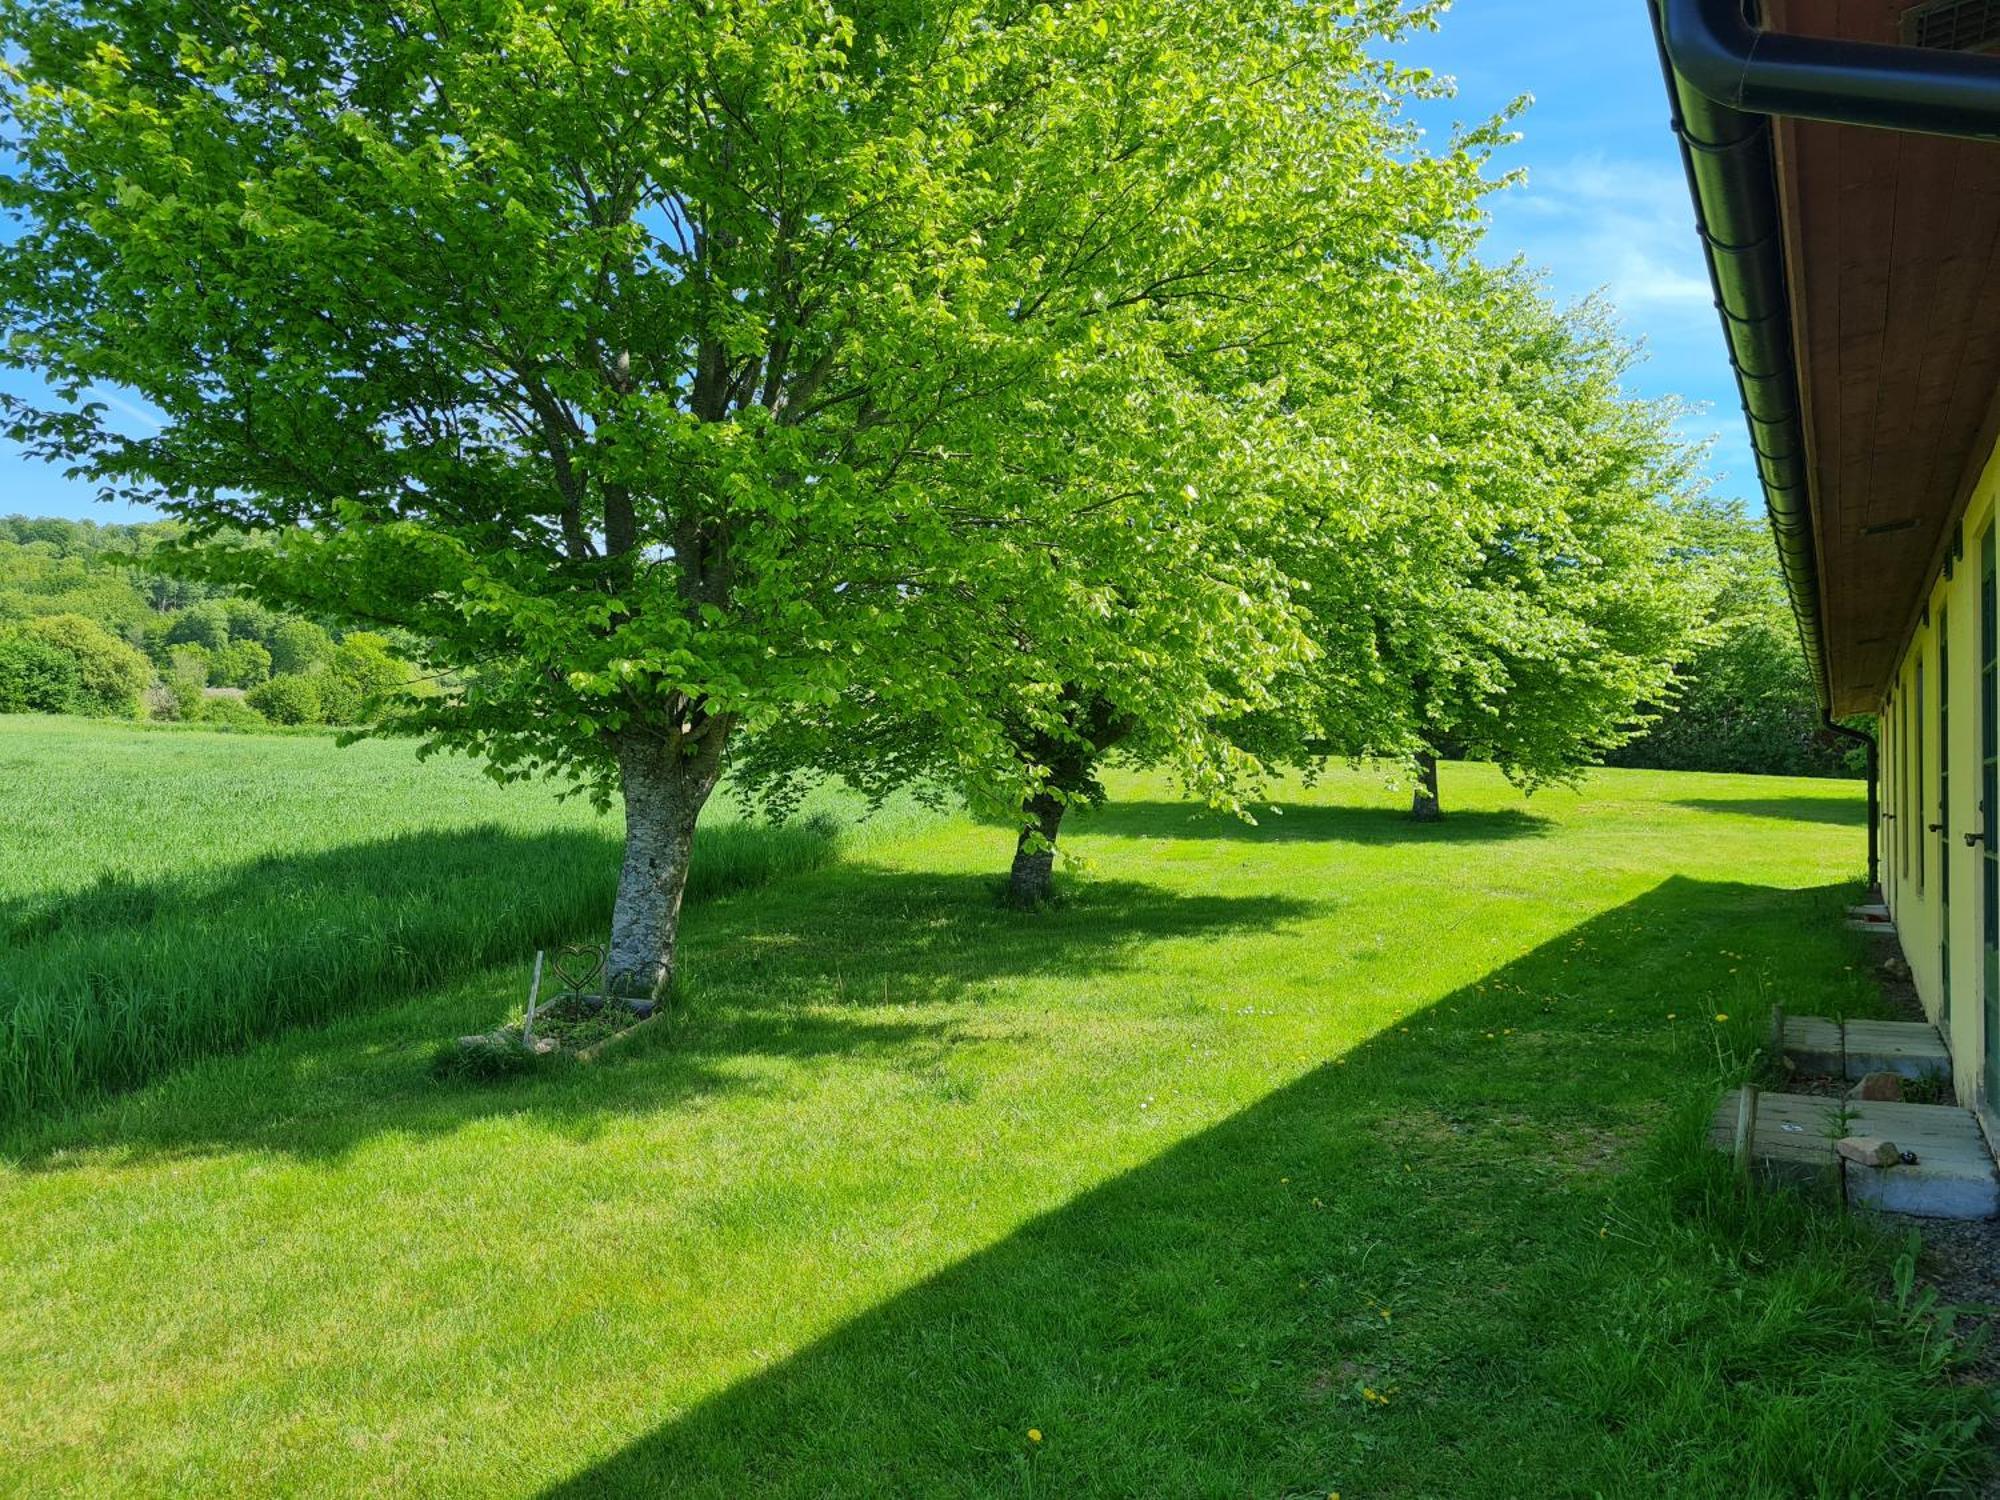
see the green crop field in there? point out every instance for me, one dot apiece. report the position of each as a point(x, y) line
point(1330, 1155)
point(166, 894)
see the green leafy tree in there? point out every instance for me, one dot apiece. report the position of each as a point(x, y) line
point(249, 620)
point(298, 646)
point(1506, 580)
point(36, 677)
point(241, 664)
point(194, 664)
point(671, 367)
point(205, 624)
point(110, 674)
point(1744, 700)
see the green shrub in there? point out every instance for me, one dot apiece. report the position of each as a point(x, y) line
point(111, 674)
point(241, 664)
point(232, 714)
point(287, 700)
point(203, 624)
point(195, 663)
point(297, 646)
point(36, 677)
point(355, 679)
point(184, 696)
point(340, 702)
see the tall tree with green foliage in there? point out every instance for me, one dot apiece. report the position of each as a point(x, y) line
point(1527, 589)
point(1744, 700)
point(671, 366)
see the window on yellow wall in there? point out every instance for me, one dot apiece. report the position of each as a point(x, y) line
point(1885, 740)
point(1917, 777)
point(1903, 784)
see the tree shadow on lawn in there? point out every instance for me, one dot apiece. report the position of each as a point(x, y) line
point(769, 978)
point(1300, 822)
point(1422, 1271)
point(1847, 812)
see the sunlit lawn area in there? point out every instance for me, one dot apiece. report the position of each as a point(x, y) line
point(1333, 1154)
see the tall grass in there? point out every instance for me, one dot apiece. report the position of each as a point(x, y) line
point(163, 898)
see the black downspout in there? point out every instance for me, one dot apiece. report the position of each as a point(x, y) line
point(1867, 743)
point(1719, 53)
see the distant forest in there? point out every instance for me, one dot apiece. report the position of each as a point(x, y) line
point(87, 626)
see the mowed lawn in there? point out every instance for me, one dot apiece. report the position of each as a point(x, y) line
point(1330, 1155)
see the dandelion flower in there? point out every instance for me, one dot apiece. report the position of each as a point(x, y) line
point(1722, 1015)
point(1034, 1434)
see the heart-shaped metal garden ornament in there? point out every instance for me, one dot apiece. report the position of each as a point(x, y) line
point(577, 967)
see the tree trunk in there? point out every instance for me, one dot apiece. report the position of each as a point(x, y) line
point(1424, 800)
point(665, 789)
point(1034, 867)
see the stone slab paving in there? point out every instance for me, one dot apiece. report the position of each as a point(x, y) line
point(1953, 1177)
point(1911, 1049)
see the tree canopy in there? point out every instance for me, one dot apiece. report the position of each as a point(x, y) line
point(679, 368)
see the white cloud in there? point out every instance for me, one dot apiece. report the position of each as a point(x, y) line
point(1623, 226)
point(132, 411)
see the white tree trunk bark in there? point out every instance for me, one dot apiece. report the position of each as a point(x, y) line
point(665, 789)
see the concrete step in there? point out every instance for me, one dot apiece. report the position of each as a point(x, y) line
point(1851, 1049)
point(1792, 1142)
point(1912, 1049)
point(1871, 911)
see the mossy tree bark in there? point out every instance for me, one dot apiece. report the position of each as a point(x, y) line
point(1070, 763)
point(1424, 800)
point(1033, 876)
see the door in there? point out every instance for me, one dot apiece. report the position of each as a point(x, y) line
point(1989, 804)
point(1942, 828)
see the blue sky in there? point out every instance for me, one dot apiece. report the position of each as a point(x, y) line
point(1605, 205)
point(1604, 208)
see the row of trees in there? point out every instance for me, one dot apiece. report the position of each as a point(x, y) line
point(89, 625)
point(1744, 699)
point(921, 391)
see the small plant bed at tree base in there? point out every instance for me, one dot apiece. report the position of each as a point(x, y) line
point(577, 1028)
point(578, 1023)
point(583, 1024)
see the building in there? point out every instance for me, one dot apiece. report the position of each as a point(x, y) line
point(1844, 158)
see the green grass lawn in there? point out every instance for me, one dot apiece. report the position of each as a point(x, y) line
point(1330, 1155)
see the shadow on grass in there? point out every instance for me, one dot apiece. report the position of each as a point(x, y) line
point(124, 980)
point(1432, 1269)
point(1290, 822)
point(767, 984)
point(1847, 812)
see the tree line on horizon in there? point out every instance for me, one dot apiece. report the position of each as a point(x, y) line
point(943, 395)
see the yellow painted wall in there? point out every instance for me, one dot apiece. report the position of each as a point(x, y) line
point(1912, 853)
